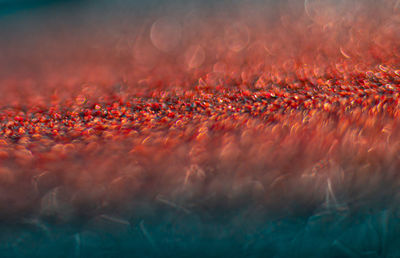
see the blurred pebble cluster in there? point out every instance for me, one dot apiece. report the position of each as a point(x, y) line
point(212, 133)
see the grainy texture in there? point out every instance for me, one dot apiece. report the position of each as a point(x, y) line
point(229, 139)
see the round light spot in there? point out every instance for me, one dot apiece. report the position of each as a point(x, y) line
point(237, 36)
point(325, 11)
point(165, 34)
